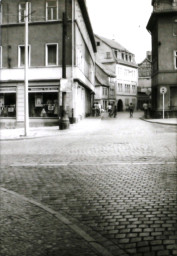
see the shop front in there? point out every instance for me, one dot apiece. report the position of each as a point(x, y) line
point(43, 102)
point(8, 102)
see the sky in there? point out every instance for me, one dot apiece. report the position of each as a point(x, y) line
point(124, 21)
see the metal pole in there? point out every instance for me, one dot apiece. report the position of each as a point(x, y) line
point(163, 103)
point(26, 118)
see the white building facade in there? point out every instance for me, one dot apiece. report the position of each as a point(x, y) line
point(122, 63)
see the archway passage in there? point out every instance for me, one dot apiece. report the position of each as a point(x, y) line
point(119, 105)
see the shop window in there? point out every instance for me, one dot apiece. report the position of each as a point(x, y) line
point(0, 56)
point(21, 13)
point(51, 10)
point(51, 54)
point(7, 104)
point(175, 59)
point(43, 104)
point(21, 55)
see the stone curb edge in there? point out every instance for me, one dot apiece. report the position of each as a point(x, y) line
point(73, 224)
point(146, 120)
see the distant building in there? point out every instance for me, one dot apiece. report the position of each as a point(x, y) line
point(45, 60)
point(163, 28)
point(144, 81)
point(122, 62)
point(104, 86)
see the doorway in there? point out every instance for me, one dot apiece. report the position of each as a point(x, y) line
point(119, 105)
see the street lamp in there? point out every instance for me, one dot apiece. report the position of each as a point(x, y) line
point(26, 108)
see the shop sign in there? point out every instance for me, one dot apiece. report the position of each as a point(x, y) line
point(65, 85)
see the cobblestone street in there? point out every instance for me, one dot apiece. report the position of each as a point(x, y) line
point(105, 187)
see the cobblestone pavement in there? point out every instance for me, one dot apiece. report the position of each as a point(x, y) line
point(108, 190)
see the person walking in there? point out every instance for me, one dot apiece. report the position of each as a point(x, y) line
point(145, 106)
point(115, 111)
point(131, 108)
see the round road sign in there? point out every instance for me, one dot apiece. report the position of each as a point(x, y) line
point(163, 90)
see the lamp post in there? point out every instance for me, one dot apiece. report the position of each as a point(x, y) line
point(64, 122)
point(26, 108)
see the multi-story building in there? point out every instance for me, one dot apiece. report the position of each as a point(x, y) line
point(122, 62)
point(46, 60)
point(163, 28)
point(144, 81)
point(104, 86)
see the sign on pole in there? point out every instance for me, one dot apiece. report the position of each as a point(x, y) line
point(65, 85)
point(163, 90)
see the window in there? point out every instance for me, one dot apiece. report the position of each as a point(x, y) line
point(133, 88)
point(126, 102)
point(8, 104)
point(127, 88)
point(116, 53)
point(175, 59)
point(105, 91)
point(51, 54)
point(120, 87)
point(51, 10)
point(0, 13)
point(0, 56)
point(108, 55)
point(98, 43)
point(22, 7)
point(21, 55)
point(122, 55)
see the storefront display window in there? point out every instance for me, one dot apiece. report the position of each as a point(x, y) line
point(7, 104)
point(43, 104)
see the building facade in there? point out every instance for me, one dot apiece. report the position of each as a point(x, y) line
point(46, 60)
point(163, 28)
point(122, 62)
point(144, 81)
point(104, 86)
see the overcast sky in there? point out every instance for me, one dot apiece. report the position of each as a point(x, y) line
point(123, 20)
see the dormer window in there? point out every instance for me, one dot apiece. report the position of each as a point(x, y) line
point(116, 54)
point(122, 55)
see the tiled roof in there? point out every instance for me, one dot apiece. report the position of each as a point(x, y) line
point(113, 44)
point(106, 69)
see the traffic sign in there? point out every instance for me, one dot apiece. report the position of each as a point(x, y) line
point(163, 90)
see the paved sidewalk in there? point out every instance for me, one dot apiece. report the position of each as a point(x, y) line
point(84, 125)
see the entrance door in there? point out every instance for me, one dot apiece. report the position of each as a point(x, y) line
point(119, 105)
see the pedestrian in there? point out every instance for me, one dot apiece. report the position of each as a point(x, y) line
point(145, 107)
point(131, 108)
point(115, 111)
point(109, 109)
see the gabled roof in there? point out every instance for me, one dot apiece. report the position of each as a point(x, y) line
point(113, 44)
point(101, 81)
point(105, 69)
point(146, 59)
point(84, 11)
